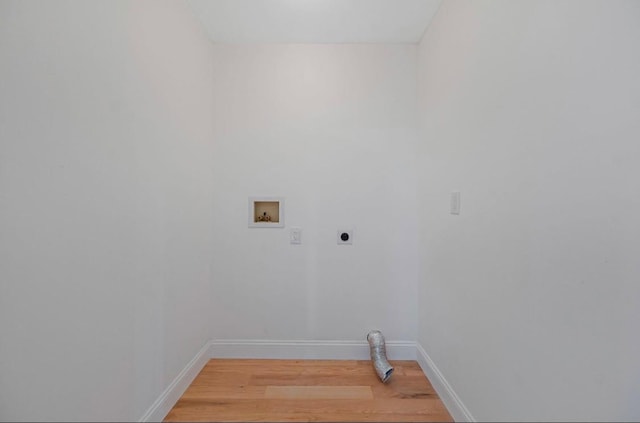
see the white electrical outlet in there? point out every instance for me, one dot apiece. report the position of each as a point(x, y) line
point(295, 236)
point(455, 202)
point(345, 236)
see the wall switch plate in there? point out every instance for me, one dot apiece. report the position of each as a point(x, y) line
point(345, 236)
point(455, 202)
point(295, 236)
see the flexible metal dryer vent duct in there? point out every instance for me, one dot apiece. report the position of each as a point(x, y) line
point(379, 355)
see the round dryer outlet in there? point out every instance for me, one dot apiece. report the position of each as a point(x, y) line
point(345, 236)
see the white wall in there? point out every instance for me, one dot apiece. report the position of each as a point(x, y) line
point(530, 301)
point(330, 128)
point(105, 205)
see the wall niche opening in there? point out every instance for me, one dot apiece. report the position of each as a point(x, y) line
point(266, 212)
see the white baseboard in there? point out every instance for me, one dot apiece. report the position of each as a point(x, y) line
point(451, 400)
point(307, 350)
point(161, 407)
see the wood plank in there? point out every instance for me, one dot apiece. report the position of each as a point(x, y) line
point(409, 387)
point(318, 392)
point(217, 392)
point(271, 379)
point(313, 410)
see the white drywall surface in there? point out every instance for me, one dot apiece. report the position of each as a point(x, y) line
point(530, 301)
point(331, 129)
point(105, 205)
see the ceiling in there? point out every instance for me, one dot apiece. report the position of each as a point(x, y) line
point(315, 21)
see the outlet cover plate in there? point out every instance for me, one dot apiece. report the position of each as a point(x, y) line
point(295, 236)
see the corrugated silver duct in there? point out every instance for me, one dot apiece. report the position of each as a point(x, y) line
point(379, 355)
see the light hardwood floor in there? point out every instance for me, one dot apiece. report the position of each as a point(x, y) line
point(308, 390)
